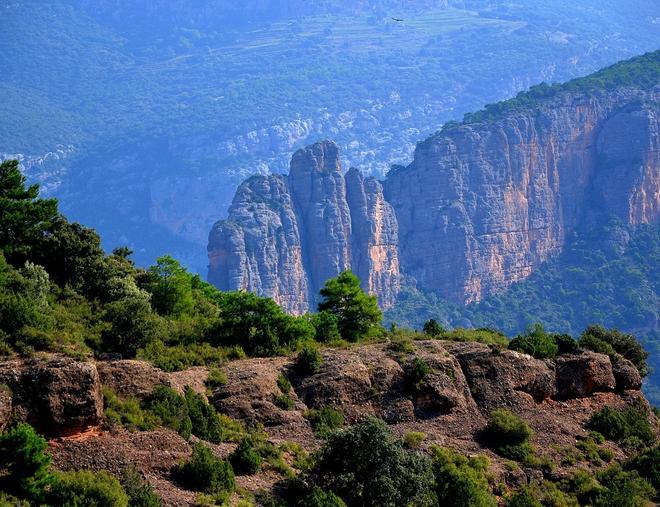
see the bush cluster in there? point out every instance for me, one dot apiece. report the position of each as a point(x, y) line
point(628, 426)
point(325, 420)
point(204, 472)
point(508, 435)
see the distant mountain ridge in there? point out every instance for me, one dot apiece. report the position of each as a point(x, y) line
point(482, 205)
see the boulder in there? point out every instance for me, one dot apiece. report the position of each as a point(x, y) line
point(54, 393)
point(250, 392)
point(626, 375)
point(580, 375)
point(131, 377)
point(502, 378)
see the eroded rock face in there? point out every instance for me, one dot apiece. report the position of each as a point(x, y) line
point(626, 375)
point(503, 379)
point(285, 236)
point(483, 204)
point(583, 374)
point(55, 393)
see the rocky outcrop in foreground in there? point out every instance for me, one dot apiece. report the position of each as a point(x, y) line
point(481, 206)
point(450, 405)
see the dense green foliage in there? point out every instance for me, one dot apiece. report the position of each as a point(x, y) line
point(60, 292)
point(24, 464)
point(140, 493)
point(543, 345)
point(357, 313)
point(365, 466)
point(83, 488)
point(325, 420)
point(245, 460)
point(461, 481)
point(508, 435)
point(204, 472)
point(630, 425)
point(415, 373)
point(309, 360)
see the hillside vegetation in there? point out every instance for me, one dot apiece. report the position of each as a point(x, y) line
point(60, 293)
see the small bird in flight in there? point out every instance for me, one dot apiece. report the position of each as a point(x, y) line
point(397, 19)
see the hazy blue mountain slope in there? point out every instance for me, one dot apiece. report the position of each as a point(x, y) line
point(144, 115)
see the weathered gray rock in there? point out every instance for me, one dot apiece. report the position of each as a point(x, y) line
point(583, 374)
point(285, 236)
point(55, 393)
point(375, 235)
point(483, 204)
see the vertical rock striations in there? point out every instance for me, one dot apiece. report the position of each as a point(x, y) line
point(481, 206)
point(285, 236)
point(374, 253)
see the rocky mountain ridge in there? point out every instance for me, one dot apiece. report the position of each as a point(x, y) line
point(482, 205)
point(287, 235)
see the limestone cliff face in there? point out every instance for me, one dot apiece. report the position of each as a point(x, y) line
point(482, 205)
point(285, 236)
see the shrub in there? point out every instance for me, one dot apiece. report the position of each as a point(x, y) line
point(612, 342)
point(259, 325)
point(565, 344)
point(523, 498)
point(284, 401)
point(417, 371)
point(481, 335)
point(205, 421)
point(87, 488)
point(216, 378)
point(623, 488)
point(140, 493)
point(357, 313)
point(432, 328)
point(204, 472)
point(24, 464)
point(127, 413)
point(245, 460)
point(413, 439)
point(171, 409)
point(325, 420)
point(180, 357)
point(326, 325)
point(364, 465)
point(283, 384)
point(647, 465)
point(309, 360)
point(535, 342)
point(508, 435)
point(320, 498)
point(619, 425)
point(460, 480)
